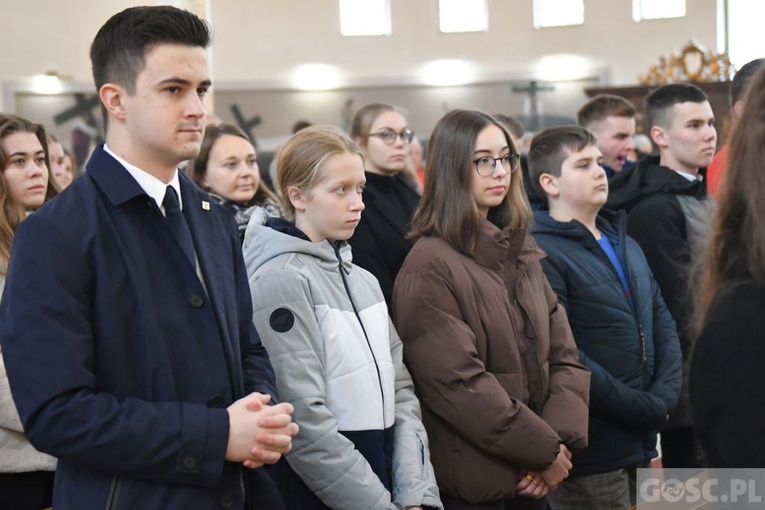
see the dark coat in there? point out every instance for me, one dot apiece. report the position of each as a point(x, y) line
point(380, 242)
point(121, 362)
point(671, 219)
point(633, 353)
point(727, 378)
point(493, 361)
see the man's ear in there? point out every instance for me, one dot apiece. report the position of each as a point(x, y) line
point(297, 198)
point(659, 136)
point(549, 184)
point(112, 97)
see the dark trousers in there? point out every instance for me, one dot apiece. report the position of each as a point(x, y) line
point(678, 449)
point(26, 491)
point(519, 503)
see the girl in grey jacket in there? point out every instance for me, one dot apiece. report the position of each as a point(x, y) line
point(336, 355)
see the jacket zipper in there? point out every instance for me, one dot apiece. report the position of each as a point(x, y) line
point(363, 329)
point(526, 316)
point(641, 333)
point(114, 492)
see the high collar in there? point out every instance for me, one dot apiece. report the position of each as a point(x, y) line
point(380, 182)
point(612, 224)
point(496, 248)
point(649, 178)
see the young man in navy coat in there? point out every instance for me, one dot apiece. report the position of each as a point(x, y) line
point(132, 359)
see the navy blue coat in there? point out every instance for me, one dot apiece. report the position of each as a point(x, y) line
point(120, 362)
point(634, 354)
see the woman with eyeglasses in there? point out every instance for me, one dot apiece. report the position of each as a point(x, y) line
point(490, 351)
point(380, 243)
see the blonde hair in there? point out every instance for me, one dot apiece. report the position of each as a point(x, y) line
point(301, 158)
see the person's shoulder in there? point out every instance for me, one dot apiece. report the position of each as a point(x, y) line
point(738, 296)
point(73, 208)
point(431, 254)
point(655, 205)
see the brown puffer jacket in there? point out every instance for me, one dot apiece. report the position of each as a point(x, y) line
point(493, 361)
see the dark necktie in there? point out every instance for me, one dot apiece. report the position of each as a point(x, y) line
point(178, 224)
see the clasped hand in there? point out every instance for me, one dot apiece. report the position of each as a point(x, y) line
point(535, 484)
point(259, 433)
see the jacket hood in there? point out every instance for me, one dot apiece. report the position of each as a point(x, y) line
point(648, 178)
point(267, 238)
point(610, 223)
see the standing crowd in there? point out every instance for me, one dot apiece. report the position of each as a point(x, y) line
point(488, 330)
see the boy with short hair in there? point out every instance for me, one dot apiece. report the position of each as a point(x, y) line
point(669, 214)
point(623, 330)
point(612, 120)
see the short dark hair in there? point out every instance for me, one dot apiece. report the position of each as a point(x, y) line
point(512, 124)
point(659, 103)
point(301, 125)
point(742, 78)
point(447, 209)
point(602, 106)
point(550, 148)
point(118, 51)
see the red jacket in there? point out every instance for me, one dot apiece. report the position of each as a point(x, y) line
point(716, 170)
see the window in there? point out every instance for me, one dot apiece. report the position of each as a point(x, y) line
point(745, 41)
point(558, 13)
point(657, 9)
point(365, 17)
point(463, 15)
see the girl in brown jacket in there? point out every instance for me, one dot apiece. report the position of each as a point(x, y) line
point(490, 351)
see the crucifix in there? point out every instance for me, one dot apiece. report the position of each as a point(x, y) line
point(532, 105)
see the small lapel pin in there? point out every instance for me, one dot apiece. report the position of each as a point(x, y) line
point(205, 205)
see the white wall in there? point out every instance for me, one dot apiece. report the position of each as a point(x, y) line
point(264, 39)
point(258, 44)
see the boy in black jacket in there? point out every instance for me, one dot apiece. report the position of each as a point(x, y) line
point(623, 330)
point(669, 214)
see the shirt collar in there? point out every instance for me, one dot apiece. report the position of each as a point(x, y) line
point(692, 178)
point(153, 187)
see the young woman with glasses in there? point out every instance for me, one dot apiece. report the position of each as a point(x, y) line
point(380, 243)
point(490, 351)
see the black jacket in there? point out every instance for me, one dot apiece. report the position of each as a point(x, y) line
point(633, 353)
point(379, 243)
point(727, 378)
point(671, 218)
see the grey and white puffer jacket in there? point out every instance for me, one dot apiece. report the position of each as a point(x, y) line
point(338, 360)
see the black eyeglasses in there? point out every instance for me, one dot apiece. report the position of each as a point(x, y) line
point(485, 166)
point(388, 136)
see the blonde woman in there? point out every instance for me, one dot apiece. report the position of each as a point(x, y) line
point(335, 352)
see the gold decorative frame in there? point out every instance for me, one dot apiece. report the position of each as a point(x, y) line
point(692, 63)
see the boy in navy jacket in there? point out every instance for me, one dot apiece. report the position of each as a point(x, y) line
point(623, 330)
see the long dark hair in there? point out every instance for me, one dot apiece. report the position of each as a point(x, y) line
point(447, 210)
point(737, 246)
point(12, 211)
